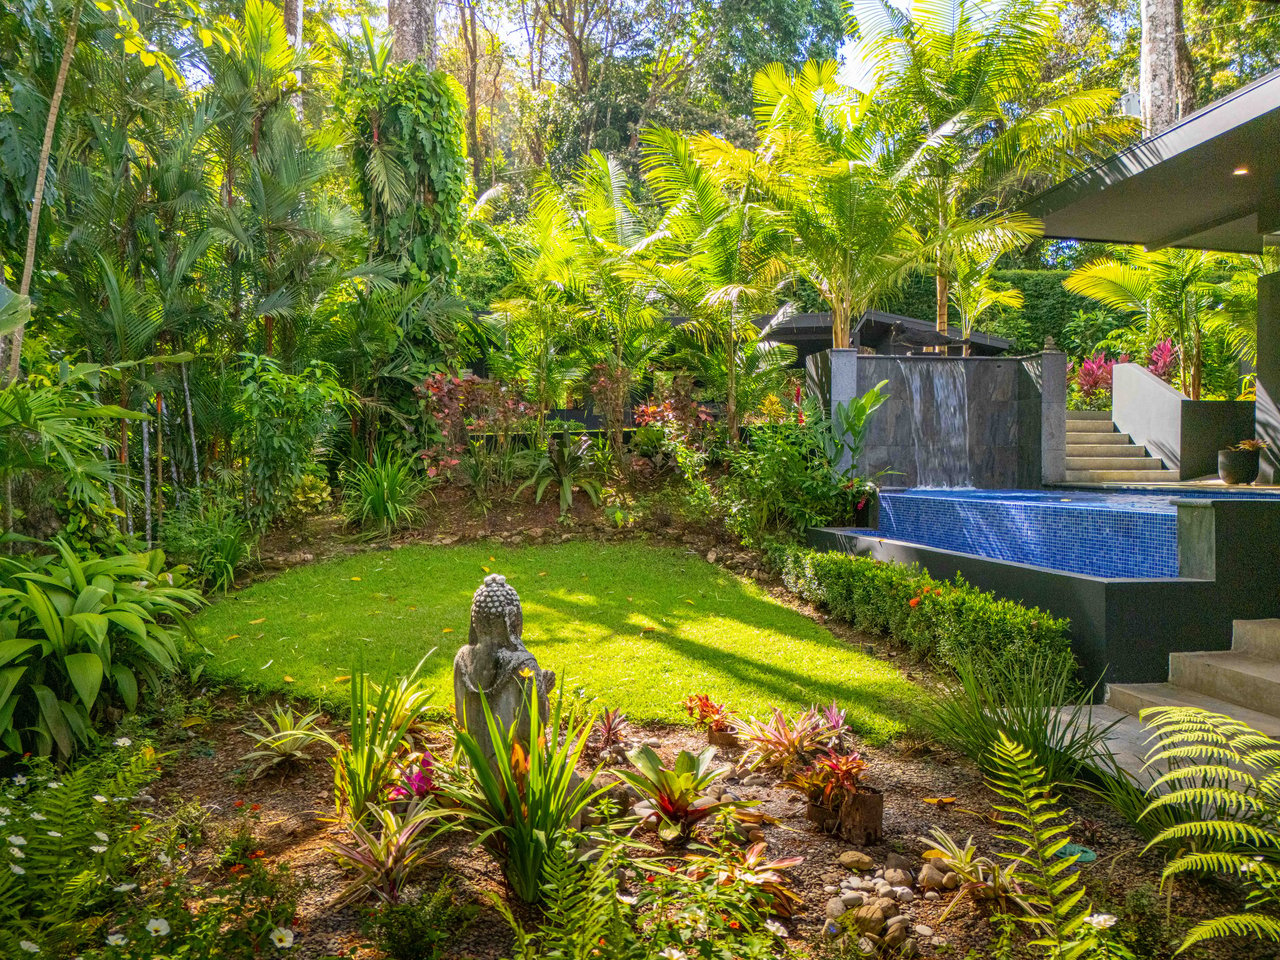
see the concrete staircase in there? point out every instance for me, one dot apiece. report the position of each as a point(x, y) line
point(1096, 453)
point(1243, 682)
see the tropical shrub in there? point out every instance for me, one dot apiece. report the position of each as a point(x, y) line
point(284, 739)
point(421, 929)
point(385, 854)
point(384, 494)
point(712, 908)
point(207, 533)
point(381, 718)
point(522, 805)
point(707, 713)
point(675, 796)
point(567, 463)
point(77, 843)
point(1034, 702)
point(80, 634)
point(1227, 772)
point(781, 743)
point(944, 621)
point(283, 417)
point(830, 778)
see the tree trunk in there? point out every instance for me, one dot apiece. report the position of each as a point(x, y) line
point(37, 200)
point(943, 290)
point(1166, 82)
point(413, 30)
point(293, 14)
point(471, 41)
point(732, 391)
point(191, 427)
point(146, 477)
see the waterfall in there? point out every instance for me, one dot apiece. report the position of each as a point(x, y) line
point(939, 397)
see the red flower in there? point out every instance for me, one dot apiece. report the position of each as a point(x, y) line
point(239, 803)
point(733, 924)
point(256, 806)
point(914, 602)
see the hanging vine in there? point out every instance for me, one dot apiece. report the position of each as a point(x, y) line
point(411, 165)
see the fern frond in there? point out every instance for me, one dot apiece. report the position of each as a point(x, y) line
point(1255, 925)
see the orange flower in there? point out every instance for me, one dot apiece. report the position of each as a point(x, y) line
point(913, 602)
point(733, 924)
point(256, 806)
point(239, 803)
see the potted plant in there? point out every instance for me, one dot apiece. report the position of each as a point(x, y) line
point(716, 717)
point(1239, 463)
point(839, 802)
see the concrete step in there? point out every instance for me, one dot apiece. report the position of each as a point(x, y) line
point(1097, 438)
point(1251, 682)
point(1105, 450)
point(1132, 698)
point(1120, 476)
point(1257, 638)
point(1089, 415)
point(1090, 426)
point(1114, 463)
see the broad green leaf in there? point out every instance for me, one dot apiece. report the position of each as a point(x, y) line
point(85, 672)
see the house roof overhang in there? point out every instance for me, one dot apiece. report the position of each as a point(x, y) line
point(1210, 182)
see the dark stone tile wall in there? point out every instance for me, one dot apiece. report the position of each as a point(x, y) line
point(949, 421)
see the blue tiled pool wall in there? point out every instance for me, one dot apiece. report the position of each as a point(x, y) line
point(1103, 538)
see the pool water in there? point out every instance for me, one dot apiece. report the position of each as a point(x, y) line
point(1104, 534)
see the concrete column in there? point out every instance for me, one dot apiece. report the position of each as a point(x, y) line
point(1268, 375)
point(1053, 416)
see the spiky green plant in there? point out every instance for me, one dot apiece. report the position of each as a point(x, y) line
point(521, 803)
point(1231, 773)
point(284, 739)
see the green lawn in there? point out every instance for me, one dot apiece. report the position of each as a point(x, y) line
point(640, 627)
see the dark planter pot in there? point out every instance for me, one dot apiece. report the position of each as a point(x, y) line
point(859, 819)
point(725, 739)
point(1238, 466)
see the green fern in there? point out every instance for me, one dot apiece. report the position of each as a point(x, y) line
point(581, 910)
point(1229, 775)
point(1050, 886)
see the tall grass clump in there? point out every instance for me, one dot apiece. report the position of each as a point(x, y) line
point(382, 496)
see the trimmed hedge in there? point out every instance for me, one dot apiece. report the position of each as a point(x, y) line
point(946, 621)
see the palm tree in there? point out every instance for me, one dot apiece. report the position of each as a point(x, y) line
point(973, 293)
point(1171, 291)
point(715, 257)
point(967, 121)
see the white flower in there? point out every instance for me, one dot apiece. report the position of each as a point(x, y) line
point(98, 848)
point(1100, 921)
point(17, 841)
point(20, 780)
point(101, 836)
point(37, 815)
point(16, 853)
point(125, 888)
point(673, 953)
point(15, 869)
point(164, 859)
point(54, 784)
point(5, 811)
point(54, 833)
point(628, 900)
point(777, 929)
point(123, 742)
point(282, 937)
point(100, 798)
point(158, 927)
point(28, 946)
point(116, 940)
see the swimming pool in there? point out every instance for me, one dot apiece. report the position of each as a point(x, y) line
point(1120, 534)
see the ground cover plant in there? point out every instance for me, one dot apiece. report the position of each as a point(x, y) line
point(640, 624)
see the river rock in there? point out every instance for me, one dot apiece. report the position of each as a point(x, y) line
point(931, 877)
point(865, 919)
point(853, 899)
point(923, 930)
point(897, 877)
point(856, 860)
point(897, 935)
point(951, 881)
point(836, 908)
